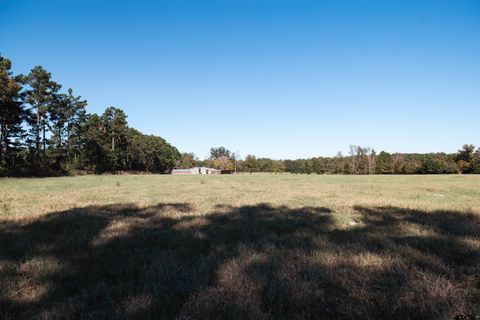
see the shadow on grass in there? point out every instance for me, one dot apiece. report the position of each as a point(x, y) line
point(255, 262)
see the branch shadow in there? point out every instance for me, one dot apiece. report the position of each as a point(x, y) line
point(255, 262)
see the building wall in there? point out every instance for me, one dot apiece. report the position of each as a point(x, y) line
point(185, 171)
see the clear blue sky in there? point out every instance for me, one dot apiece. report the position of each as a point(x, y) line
point(283, 79)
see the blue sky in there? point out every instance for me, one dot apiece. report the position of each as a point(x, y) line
point(276, 78)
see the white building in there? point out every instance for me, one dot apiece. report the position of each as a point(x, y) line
point(196, 170)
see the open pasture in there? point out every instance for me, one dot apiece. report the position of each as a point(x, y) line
point(240, 247)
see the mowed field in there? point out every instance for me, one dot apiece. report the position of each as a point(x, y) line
point(256, 246)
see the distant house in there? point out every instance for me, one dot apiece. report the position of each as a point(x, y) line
point(196, 170)
point(186, 171)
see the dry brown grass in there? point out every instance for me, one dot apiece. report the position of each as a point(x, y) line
point(222, 259)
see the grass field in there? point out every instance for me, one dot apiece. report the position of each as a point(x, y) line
point(240, 247)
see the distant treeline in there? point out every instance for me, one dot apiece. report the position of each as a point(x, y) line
point(359, 161)
point(45, 132)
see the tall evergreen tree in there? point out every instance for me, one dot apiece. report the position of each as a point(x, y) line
point(65, 114)
point(114, 126)
point(96, 155)
point(11, 110)
point(40, 96)
point(78, 138)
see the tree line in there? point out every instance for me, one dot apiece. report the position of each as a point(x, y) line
point(359, 161)
point(45, 131)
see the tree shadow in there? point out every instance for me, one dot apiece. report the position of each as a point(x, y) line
point(255, 262)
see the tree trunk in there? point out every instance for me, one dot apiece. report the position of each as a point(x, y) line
point(68, 144)
point(43, 137)
point(58, 153)
point(4, 142)
point(37, 132)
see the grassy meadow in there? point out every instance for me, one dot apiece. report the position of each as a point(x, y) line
point(258, 246)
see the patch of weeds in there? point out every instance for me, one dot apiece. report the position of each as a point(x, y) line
point(118, 183)
point(6, 209)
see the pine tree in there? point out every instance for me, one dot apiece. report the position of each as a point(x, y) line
point(385, 163)
point(40, 96)
point(12, 111)
point(64, 114)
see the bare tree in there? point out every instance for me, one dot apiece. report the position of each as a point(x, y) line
point(372, 160)
point(235, 158)
point(353, 155)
